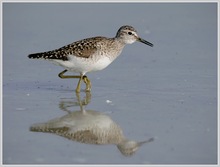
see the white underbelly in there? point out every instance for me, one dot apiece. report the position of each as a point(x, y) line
point(83, 65)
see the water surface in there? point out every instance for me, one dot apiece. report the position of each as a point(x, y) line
point(168, 92)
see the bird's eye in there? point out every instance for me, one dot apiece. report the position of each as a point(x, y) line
point(129, 33)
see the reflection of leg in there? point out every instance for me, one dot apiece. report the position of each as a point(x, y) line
point(88, 83)
point(86, 100)
point(83, 102)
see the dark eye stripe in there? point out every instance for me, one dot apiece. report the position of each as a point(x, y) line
point(129, 33)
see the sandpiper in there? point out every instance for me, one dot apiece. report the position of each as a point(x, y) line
point(91, 54)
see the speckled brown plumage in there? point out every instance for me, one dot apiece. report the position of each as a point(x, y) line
point(83, 48)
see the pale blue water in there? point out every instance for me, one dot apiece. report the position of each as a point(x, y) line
point(168, 92)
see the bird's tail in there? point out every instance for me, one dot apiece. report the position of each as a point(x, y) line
point(54, 54)
point(42, 55)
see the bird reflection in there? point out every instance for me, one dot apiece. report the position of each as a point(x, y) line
point(88, 126)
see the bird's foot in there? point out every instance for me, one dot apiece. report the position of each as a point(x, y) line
point(88, 83)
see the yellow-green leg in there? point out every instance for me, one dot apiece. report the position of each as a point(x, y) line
point(67, 76)
point(88, 83)
point(79, 84)
point(85, 79)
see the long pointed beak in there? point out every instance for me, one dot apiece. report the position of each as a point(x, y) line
point(145, 42)
point(146, 141)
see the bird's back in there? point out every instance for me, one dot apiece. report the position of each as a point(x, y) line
point(83, 48)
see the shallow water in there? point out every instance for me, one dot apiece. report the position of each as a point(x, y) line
point(168, 92)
